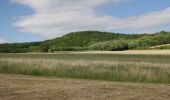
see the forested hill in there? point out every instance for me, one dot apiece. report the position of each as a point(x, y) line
point(90, 40)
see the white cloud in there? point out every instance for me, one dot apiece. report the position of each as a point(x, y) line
point(57, 17)
point(3, 41)
point(152, 19)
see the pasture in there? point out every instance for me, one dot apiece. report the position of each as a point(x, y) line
point(85, 75)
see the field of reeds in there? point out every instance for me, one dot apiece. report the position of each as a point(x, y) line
point(111, 67)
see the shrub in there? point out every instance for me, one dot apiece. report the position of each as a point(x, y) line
point(110, 46)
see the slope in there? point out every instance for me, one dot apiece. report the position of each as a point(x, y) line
point(90, 40)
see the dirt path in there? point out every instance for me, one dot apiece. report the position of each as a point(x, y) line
point(130, 52)
point(18, 87)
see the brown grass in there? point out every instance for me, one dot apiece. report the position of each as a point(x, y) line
point(18, 87)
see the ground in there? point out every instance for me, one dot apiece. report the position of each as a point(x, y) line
point(21, 87)
point(89, 75)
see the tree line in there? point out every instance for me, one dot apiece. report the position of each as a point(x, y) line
point(90, 40)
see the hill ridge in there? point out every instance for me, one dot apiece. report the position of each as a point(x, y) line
point(90, 40)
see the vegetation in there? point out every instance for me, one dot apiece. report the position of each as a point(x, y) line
point(110, 46)
point(91, 40)
point(126, 68)
point(19, 47)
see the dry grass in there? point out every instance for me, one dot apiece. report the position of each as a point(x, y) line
point(17, 87)
point(50, 63)
point(126, 71)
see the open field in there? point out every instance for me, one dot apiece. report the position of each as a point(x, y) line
point(18, 87)
point(111, 67)
point(109, 76)
point(160, 45)
point(166, 46)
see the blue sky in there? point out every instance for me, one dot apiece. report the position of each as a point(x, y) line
point(134, 8)
point(10, 11)
point(28, 20)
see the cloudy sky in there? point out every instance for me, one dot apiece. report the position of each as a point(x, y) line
point(36, 20)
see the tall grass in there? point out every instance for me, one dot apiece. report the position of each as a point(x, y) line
point(125, 71)
point(93, 57)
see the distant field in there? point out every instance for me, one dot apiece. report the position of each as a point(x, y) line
point(125, 66)
point(130, 52)
point(166, 46)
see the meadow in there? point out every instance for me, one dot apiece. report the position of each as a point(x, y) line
point(143, 68)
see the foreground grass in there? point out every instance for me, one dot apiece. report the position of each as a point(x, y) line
point(125, 68)
point(22, 87)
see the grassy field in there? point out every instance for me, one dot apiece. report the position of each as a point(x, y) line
point(112, 67)
point(125, 75)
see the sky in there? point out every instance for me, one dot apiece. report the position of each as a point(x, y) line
point(38, 20)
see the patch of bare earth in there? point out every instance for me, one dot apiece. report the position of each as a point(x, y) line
point(19, 87)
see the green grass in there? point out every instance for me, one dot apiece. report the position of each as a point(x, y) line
point(125, 68)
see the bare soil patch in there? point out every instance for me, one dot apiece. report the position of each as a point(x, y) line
point(20, 87)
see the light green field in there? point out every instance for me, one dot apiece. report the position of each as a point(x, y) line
point(111, 67)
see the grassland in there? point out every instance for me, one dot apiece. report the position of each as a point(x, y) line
point(112, 67)
point(125, 75)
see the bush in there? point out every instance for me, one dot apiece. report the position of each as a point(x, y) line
point(109, 46)
point(70, 49)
